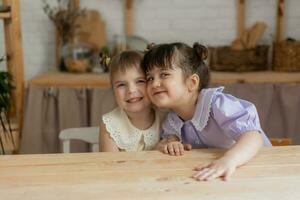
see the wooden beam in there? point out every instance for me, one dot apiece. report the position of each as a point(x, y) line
point(280, 21)
point(13, 45)
point(14, 52)
point(128, 12)
point(9, 50)
point(240, 18)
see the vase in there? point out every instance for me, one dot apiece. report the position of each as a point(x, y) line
point(77, 57)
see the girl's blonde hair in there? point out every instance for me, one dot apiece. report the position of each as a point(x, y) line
point(125, 60)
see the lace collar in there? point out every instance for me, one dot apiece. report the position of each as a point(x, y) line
point(201, 114)
point(127, 136)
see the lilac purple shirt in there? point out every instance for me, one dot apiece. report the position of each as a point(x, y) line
point(218, 121)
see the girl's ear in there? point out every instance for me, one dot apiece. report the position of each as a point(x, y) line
point(193, 82)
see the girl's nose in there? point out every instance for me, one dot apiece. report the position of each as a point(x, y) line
point(132, 88)
point(155, 83)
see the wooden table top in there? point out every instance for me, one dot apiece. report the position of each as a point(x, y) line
point(102, 79)
point(273, 174)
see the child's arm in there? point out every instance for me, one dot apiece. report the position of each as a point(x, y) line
point(245, 148)
point(171, 145)
point(106, 143)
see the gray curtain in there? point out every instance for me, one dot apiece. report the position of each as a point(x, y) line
point(48, 110)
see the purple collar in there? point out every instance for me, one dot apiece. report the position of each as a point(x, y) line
point(201, 114)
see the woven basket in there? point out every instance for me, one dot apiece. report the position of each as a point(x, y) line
point(226, 59)
point(286, 56)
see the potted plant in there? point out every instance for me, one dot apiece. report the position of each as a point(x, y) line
point(6, 88)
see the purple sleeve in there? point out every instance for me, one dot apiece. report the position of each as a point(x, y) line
point(168, 129)
point(235, 116)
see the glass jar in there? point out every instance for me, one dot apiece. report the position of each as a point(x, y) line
point(77, 57)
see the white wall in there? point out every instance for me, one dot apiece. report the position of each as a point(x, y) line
point(212, 22)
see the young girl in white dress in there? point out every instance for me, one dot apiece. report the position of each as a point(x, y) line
point(134, 125)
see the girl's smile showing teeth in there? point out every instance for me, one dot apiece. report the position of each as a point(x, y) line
point(134, 100)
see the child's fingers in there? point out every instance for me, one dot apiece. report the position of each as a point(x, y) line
point(181, 148)
point(202, 166)
point(177, 149)
point(187, 147)
point(217, 173)
point(203, 174)
point(165, 150)
point(228, 174)
point(171, 150)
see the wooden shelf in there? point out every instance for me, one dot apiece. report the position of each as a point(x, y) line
point(255, 77)
point(71, 79)
point(5, 15)
point(102, 79)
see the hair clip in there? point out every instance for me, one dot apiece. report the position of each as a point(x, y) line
point(104, 59)
point(149, 47)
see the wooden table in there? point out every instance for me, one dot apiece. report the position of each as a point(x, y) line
point(273, 174)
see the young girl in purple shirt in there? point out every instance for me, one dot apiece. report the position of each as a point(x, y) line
point(200, 117)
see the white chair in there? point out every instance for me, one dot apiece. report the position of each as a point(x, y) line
point(86, 134)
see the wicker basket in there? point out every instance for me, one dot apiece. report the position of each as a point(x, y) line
point(286, 56)
point(226, 59)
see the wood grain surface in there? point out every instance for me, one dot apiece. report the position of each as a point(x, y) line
point(273, 174)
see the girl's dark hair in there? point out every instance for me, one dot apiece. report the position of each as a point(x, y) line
point(189, 59)
point(125, 60)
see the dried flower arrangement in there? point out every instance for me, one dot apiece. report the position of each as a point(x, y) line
point(64, 17)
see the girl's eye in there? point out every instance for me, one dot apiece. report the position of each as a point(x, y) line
point(120, 85)
point(149, 78)
point(164, 75)
point(141, 81)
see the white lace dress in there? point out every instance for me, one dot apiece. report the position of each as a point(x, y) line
point(127, 136)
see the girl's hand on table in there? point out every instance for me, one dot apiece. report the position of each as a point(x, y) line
point(175, 148)
point(172, 145)
point(223, 167)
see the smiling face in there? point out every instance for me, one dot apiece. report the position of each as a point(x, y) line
point(167, 88)
point(130, 90)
